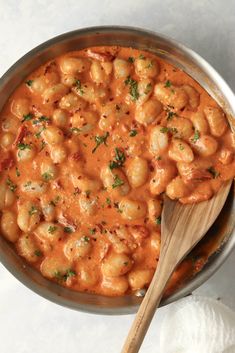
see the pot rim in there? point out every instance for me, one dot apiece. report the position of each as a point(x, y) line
point(227, 247)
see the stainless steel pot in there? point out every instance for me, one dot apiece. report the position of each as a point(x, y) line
point(178, 55)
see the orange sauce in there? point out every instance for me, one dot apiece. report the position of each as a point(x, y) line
point(85, 265)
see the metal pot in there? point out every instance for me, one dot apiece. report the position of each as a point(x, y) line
point(180, 56)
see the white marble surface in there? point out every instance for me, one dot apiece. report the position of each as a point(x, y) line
point(29, 323)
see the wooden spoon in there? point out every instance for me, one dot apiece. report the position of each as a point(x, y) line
point(182, 227)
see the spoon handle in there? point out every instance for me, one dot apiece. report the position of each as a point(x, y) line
point(147, 309)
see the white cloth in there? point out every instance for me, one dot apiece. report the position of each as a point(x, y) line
point(198, 325)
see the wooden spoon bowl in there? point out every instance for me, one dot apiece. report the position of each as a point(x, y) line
point(182, 227)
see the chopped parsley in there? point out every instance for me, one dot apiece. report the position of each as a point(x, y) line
point(51, 229)
point(148, 88)
point(43, 144)
point(213, 172)
point(38, 253)
point(38, 134)
point(27, 117)
point(23, 146)
point(196, 136)
point(29, 83)
point(141, 56)
point(172, 130)
point(181, 147)
point(68, 230)
point(47, 176)
point(168, 83)
point(85, 238)
point(11, 185)
point(164, 129)
point(158, 220)
point(133, 88)
point(92, 231)
point(149, 65)
point(79, 86)
point(108, 201)
point(120, 159)
point(131, 59)
point(33, 210)
point(41, 119)
point(70, 273)
point(63, 277)
point(55, 201)
point(17, 172)
point(117, 181)
point(100, 140)
point(170, 115)
point(133, 133)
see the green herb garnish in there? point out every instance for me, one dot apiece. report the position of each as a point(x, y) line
point(43, 144)
point(117, 181)
point(38, 134)
point(108, 201)
point(213, 172)
point(51, 229)
point(133, 90)
point(47, 176)
point(100, 140)
point(38, 253)
point(172, 130)
point(17, 172)
point(27, 117)
point(23, 146)
point(29, 83)
point(63, 277)
point(92, 231)
point(181, 147)
point(131, 59)
point(85, 238)
point(168, 83)
point(11, 185)
point(170, 115)
point(79, 86)
point(120, 159)
point(196, 136)
point(133, 133)
point(148, 88)
point(141, 56)
point(158, 220)
point(41, 119)
point(68, 230)
point(33, 210)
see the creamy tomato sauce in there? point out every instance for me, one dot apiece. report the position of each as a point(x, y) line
point(89, 144)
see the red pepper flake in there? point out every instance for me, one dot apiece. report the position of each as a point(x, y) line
point(6, 163)
point(100, 56)
point(22, 132)
point(76, 156)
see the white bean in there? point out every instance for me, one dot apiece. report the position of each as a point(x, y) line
point(9, 227)
point(132, 209)
point(148, 112)
point(159, 140)
point(28, 216)
point(137, 172)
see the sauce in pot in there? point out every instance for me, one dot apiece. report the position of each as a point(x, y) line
point(89, 144)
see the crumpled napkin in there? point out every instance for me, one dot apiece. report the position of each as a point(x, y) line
point(198, 325)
